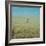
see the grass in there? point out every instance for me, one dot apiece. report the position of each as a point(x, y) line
point(23, 29)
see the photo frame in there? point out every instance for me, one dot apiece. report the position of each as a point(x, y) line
point(25, 22)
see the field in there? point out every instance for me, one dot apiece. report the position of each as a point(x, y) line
point(25, 27)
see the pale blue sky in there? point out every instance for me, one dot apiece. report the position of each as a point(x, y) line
point(25, 11)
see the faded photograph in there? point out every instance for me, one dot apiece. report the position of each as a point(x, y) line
point(25, 22)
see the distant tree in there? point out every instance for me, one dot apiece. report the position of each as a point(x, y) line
point(27, 21)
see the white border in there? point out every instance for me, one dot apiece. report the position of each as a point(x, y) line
point(30, 39)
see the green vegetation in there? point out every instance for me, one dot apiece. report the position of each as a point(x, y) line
point(25, 26)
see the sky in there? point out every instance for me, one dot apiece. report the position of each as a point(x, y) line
point(25, 11)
